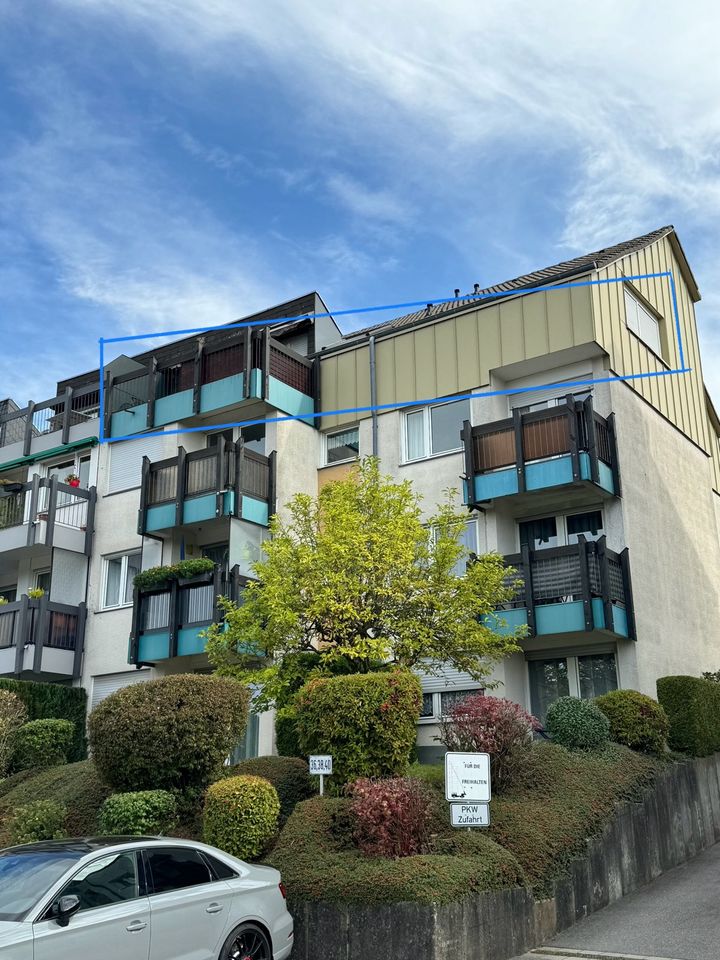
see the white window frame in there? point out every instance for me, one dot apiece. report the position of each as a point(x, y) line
point(436, 695)
point(561, 525)
point(124, 555)
point(471, 521)
point(634, 308)
point(332, 433)
point(427, 432)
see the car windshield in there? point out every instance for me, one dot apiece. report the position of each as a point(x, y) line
point(26, 877)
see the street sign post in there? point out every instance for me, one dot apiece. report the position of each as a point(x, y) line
point(470, 814)
point(467, 777)
point(321, 766)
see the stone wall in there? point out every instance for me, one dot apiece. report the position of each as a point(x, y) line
point(676, 820)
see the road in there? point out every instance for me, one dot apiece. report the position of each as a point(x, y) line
point(677, 917)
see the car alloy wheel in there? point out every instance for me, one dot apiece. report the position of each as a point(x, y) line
point(247, 943)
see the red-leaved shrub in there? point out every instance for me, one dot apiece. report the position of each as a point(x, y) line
point(393, 817)
point(480, 724)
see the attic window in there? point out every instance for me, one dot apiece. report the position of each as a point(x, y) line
point(642, 322)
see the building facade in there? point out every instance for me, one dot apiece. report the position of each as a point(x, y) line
point(603, 493)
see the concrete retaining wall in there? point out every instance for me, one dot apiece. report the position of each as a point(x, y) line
point(676, 820)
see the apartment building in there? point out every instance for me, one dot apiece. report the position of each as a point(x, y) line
point(604, 493)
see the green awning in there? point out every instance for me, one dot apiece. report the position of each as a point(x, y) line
point(52, 452)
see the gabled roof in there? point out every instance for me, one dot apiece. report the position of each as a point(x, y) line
point(567, 268)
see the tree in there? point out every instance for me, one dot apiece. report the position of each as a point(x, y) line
point(358, 577)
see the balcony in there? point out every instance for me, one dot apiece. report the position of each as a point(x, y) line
point(42, 638)
point(224, 481)
point(59, 422)
point(45, 512)
point(249, 366)
point(168, 620)
point(572, 589)
point(541, 450)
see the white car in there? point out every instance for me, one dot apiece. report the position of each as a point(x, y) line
point(138, 898)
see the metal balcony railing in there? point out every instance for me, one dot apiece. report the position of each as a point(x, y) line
point(47, 499)
point(42, 624)
point(73, 407)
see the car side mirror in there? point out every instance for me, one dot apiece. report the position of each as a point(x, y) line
point(66, 907)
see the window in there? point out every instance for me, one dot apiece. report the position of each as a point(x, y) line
point(642, 322)
point(585, 675)
point(220, 870)
point(438, 705)
point(212, 438)
point(253, 437)
point(436, 429)
point(42, 581)
point(590, 525)
point(467, 537)
point(560, 531)
point(342, 445)
point(539, 534)
point(175, 869)
point(118, 579)
point(9, 593)
point(558, 401)
point(111, 879)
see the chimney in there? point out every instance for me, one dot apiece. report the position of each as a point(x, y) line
point(457, 292)
point(476, 288)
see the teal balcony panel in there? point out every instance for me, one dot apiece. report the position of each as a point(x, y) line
point(196, 509)
point(175, 407)
point(132, 420)
point(153, 646)
point(286, 398)
point(222, 393)
point(160, 517)
point(255, 511)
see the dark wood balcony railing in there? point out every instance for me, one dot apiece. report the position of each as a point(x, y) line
point(249, 349)
point(570, 430)
point(73, 407)
point(42, 624)
point(58, 504)
point(583, 571)
point(177, 606)
point(225, 467)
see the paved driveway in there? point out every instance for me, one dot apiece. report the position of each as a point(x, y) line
point(677, 916)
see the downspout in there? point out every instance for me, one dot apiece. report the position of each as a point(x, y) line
point(373, 396)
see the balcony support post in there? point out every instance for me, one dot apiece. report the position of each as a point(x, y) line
point(180, 486)
point(614, 466)
point(33, 512)
point(135, 628)
point(589, 415)
point(604, 564)
point(627, 590)
point(197, 374)
point(265, 363)
point(272, 483)
point(27, 440)
point(217, 590)
point(469, 461)
point(67, 414)
point(249, 342)
point(584, 561)
point(79, 640)
point(153, 384)
point(51, 509)
point(529, 594)
point(20, 633)
point(220, 475)
point(519, 449)
point(90, 520)
point(573, 436)
point(239, 467)
point(144, 495)
point(42, 628)
point(174, 618)
point(107, 405)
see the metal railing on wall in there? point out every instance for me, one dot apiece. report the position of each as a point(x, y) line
point(73, 407)
point(40, 624)
point(56, 504)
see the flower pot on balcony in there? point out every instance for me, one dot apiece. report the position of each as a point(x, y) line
point(198, 578)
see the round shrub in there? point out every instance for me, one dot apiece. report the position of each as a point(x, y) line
point(171, 733)
point(289, 776)
point(480, 724)
point(136, 814)
point(241, 815)
point(38, 820)
point(366, 721)
point(577, 724)
point(636, 720)
point(13, 715)
point(43, 743)
point(393, 818)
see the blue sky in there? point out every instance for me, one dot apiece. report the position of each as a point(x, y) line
point(172, 163)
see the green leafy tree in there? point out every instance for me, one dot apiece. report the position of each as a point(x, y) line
point(358, 577)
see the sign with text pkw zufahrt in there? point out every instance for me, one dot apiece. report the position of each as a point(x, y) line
point(467, 777)
point(470, 814)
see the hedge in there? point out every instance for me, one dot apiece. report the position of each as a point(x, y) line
point(43, 743)
point(75, 785)
point(146, 812)
point(172, 733)
point(692, 706)
point(289, 776)
point(366, 721)
point(319, 864)
point(49, 700)
point(577, 724)
point(241, 815)
point(636, 720)
point(37, 820)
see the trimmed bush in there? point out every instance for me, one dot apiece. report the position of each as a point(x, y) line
point(366, 721)
point(75, 785)
point(577, 724)
point(38, 820)
point(170, 733)
point(393, 818)
point(319, 863)
point(481, 724)
point(52, 701)
point(286, 735)
point(241, 815)
point(12, 716)
point(146, 812)
point(43, 743)
point(692, 706)
point(289, 776)
point(637, 721)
